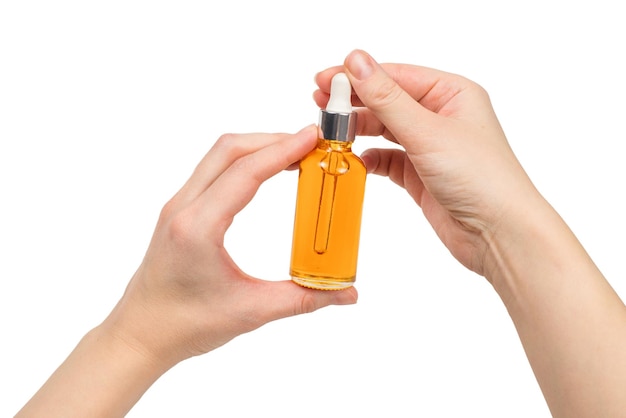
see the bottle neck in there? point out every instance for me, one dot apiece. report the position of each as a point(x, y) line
point(337, 126)
point(332, 145)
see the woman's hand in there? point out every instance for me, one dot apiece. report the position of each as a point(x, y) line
point(457, 164)
point(188, 296)
point(459, 168)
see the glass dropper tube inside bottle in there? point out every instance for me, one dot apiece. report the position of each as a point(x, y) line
point(331, 186)
point(327, 225)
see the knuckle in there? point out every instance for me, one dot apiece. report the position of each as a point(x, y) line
point(224, 139)
point(167, 211)
point(182, 230)
point(474, 86)
point(477, 90)
point(385, 94)
point(307, 304)
point(229, 145)
point(248, 167)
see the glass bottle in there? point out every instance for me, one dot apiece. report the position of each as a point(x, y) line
point(331, 187)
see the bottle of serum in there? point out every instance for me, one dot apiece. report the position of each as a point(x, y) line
point(331, 187)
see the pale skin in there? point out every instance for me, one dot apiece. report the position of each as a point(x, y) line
point(188, 297)
point(458, 166)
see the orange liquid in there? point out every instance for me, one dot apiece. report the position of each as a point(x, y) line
point(327, 224)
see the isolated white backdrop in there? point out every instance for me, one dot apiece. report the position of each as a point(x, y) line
point(106, 107)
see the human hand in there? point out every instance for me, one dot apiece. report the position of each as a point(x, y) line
point(457, 164)
point(188, 296)
point(459, 168)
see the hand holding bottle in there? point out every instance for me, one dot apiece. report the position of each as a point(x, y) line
point(459, 168)
point(187, 269)
point(188, 296)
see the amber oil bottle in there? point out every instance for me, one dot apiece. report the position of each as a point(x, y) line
point(331, 187)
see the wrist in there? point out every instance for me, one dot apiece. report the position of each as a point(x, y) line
point(526, 241)
point(103, 377)
point(137, 355)
point(137, 330)
point(532, 257)
point(566, 314)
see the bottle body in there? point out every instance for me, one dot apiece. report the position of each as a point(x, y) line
point(327, 224)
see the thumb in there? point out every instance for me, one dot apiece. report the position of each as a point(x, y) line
point(391, 105)
point(282, 299)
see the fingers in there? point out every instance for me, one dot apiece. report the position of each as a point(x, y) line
point(402, 100)
point(391, 105)
point(223, 154)
point(260, 302)
point(419, 82)
point(233, 189)
point(392, 163)
point(396, 165)
point(284, 299)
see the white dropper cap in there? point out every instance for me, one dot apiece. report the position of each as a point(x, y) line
point(338, 121)
point(340, 92)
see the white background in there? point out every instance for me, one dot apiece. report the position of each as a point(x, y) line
point(106, 107)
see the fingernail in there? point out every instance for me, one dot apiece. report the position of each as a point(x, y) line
point(369, 160)
point(360, 64)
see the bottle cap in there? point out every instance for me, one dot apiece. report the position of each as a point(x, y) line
point(338, 121)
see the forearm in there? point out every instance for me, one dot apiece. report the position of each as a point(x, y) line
point(102, 377)
point(570, 321)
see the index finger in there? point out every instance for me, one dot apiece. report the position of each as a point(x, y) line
point(237, 185)
point(417, 81)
